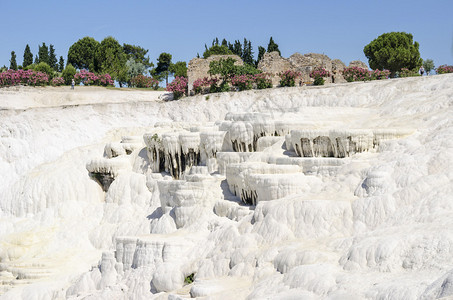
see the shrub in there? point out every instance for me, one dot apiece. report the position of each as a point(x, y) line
point(44, 68)
point(243, 82)
point(263, 81)
point(178, 86)
point(288, 78)
point(57, 81)
point(443, 69)
point(356, 74)
point(141, 81)
point(405, 72)
point(68, 74)
point(318, 74)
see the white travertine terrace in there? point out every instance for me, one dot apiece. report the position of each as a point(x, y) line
point(366, 214)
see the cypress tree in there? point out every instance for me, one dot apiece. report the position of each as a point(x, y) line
point(272, 46)
point(28, 57)
point(261, 51)
point(13, 63)
point(43, 54)
point(52, 58)
point(61, 64)
point(36, 59)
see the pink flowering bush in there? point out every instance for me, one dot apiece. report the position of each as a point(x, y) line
point(443, 69)
point(203, 85)
point(288, 78)
point(378, 74)
point(26, 77)
point(57, 81)
point(141, 81)
point(263, 81)
point(89, 78)
point(243, 82)
point(318, 75)
point(178, 86)
point(356, 74)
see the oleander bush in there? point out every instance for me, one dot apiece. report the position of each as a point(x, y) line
point(405, 72)
point(443, 69)
point(178, 86)
point(141, 81)
point(243, 82)
point(263, 81)
point(57, 81)
point(25, 77)
point(318, 75)
point(288, 78)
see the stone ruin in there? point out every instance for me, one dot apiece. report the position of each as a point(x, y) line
point(273, 64)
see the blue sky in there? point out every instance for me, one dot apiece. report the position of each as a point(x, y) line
point(339, 29)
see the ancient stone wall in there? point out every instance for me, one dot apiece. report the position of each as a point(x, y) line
point(274, 64)
point(199, 67)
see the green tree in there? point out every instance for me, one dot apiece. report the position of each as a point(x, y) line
point(43, 54)
point(261, 51)
point(217, 50)
point(428, 64)
point(134, 68)
point(163, 66)
point(393, 51)
point(112, 59)
point(138, 54)
point(68, 74)
point(28, 57)
point(179, 69)
point(82, 54)
point(36, 60)
point(52, 58)
point(61, 64)
point(13, 63)
point(272, 46)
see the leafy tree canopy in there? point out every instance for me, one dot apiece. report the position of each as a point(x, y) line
point(217, 50)
point(82, 54)
point(111, 59)
point(179, 69)
point(138, 54)
point(393, 51)
point(68, 74)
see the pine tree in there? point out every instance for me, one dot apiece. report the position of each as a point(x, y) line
point(28, 57)
point(13, 63)
point(36, 60)
point(272, 46)
point(43, 54)
point(52, 58)
point(224, 43)
point(61, 64)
